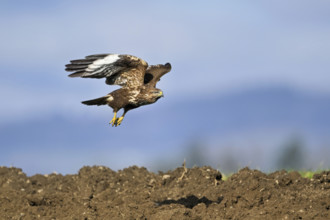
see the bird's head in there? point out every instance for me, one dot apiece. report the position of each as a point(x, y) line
point(156, 94)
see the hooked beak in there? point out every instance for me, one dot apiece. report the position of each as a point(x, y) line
point(161, 94)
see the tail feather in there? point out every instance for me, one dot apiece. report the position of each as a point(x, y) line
point(98, 101)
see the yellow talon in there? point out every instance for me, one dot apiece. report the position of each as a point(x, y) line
point(114, 119)
point(119, 120)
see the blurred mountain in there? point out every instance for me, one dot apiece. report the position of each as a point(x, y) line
point(161, 128)
point(261, 108)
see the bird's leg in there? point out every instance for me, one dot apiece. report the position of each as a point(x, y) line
point(114, 119)
point(119, 120)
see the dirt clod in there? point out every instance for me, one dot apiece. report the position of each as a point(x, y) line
point(135, 193)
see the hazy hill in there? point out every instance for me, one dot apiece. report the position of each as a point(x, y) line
point(167, 125)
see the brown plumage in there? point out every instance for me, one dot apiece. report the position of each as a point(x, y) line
point(137, 80)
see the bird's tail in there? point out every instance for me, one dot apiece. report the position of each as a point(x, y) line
point(98, 101)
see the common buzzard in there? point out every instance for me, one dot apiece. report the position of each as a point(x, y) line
point(137, 80)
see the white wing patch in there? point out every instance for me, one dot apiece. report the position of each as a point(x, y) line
point(110, 98)
point(100, 62)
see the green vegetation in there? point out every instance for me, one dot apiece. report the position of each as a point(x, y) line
point(226, 176)
point(309, 174)
point(305, 174)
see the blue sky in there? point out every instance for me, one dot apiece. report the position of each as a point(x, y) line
point(215, 48)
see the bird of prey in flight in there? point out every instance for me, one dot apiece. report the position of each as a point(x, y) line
point(137, 80)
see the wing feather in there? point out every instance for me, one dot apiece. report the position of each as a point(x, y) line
point(124, 70)
point(155, 72)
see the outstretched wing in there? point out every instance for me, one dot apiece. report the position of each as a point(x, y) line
point(123, 70)
point(155, 72)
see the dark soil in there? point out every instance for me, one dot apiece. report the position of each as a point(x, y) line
point(135, 193)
